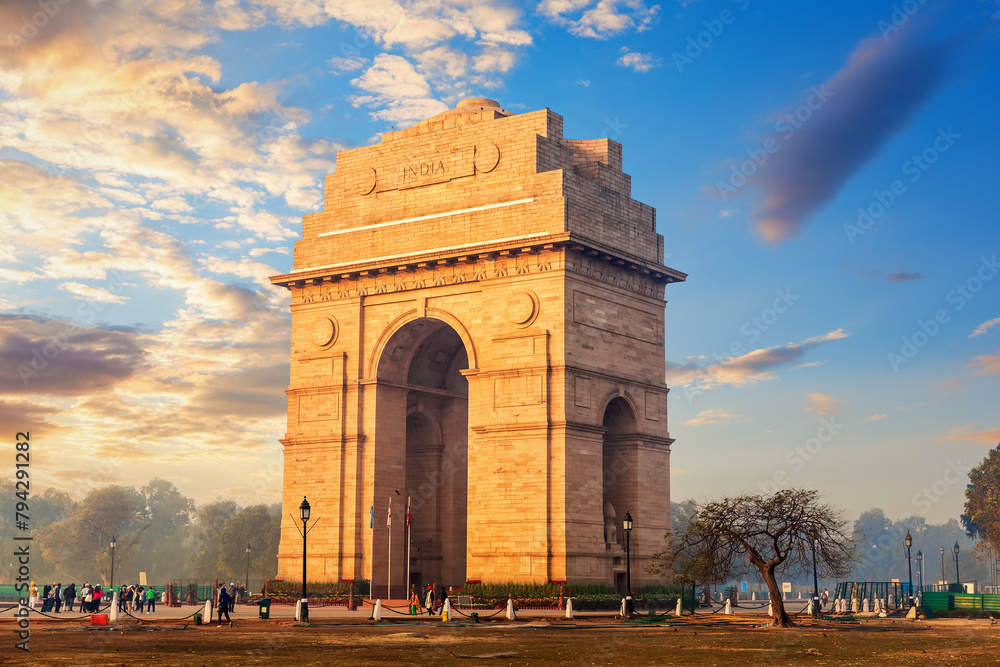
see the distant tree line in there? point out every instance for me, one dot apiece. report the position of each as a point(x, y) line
point(157, 530)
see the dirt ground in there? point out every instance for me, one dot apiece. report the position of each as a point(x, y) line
point(602, 641)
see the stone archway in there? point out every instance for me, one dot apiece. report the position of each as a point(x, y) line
point(422, 395)
point(619, 474)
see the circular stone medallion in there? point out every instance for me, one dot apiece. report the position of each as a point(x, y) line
point(522, 308)
point(487, 158)
point(324, 332)
point(367, 181)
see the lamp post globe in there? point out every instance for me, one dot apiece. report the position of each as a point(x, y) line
point(627, 525)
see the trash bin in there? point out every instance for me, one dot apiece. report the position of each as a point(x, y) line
point(264, 605)
point(197, 618)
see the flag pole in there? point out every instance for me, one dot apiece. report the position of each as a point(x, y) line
point(371, 561)
point(407, 550)
point(388, 524)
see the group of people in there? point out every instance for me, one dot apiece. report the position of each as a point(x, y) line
point(55, 596)
point(137, 598)
point(431, 603)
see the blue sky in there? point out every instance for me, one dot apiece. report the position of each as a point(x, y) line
point(823, 172)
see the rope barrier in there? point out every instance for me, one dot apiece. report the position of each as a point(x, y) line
point(68, 618)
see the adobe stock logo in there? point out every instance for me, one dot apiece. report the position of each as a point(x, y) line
point(927, 329)
point(914, 168)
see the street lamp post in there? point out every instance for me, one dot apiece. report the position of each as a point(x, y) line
point(627, 524)
point(958, 579)
point(304, 515)
point(942, 567)
point(920, 569)
point(815, 580)
point(908, 541)
point(247, 584)
point(114, 543)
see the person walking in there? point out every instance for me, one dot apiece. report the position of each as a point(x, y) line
point(429, 599)
point(57, 597)
point(232, 597)
point(98, 595)
point(444, 596)
point(224, 601)
point(46, 599)
point(33, 596)
point(150, 600)
point(140, 599)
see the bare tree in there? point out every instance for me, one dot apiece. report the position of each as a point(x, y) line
point(728, 538)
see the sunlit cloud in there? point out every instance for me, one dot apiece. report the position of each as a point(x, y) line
point(986, 326)
point(751, 368)
point(89, 293)
point(987, 437)
point(822, 404)
point(600, 20)
point(876, 417)
point(986, 364)
point(714, 416)
point(638, 62)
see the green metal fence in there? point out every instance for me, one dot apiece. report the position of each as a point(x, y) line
point(893, 592)
point(942, 601)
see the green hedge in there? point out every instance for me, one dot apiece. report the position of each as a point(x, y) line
point(319, 593)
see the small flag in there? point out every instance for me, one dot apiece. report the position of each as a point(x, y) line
point(371, 517)
point(407, 511)
point(388, 518)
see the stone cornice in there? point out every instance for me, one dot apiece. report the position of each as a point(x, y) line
point(471, 255)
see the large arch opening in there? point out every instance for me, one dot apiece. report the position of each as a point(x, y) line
point(424, 392)
point(619, 477)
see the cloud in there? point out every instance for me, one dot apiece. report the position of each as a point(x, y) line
point(987, 437)
point(605, 19)
point(88, 293)
point(639, 62)
point(713, 416)
point(902, 277)
point(853, 114)
point(985, 326)
point(56, 358)
point(809, 364)
point(751, 368)
point(822, 404)
point(397, 91)
point(875, 418)
point(987, 364)
point(346, 64)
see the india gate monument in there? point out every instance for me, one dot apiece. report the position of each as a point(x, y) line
point(478, 326)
